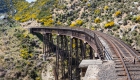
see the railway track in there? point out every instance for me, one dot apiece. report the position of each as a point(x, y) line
point(126, 60)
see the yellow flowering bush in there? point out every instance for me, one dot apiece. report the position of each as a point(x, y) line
point(92, 28)
point(97, 20)
point(34, 15)
point(117, 13)
point(48, 22)
point(76, 23)
point(25, 34)
point(17, 18)
point(109, 24)
point(26, 12)
point(88, 5)
point(97, 11)
point(37, 78)
point(59, 23)
point(24, 53)
point(138, 18)
point(106, 7)
point(73, 24)
point(79, 22)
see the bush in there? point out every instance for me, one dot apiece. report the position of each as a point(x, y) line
point(97, 20)
point(106, 7)
point(92, 28)
point(77, 23)
point(137, 19)
point(25, 54)
point(97, 11)
point(73, 24)
point(109, 24)
point(117, 13)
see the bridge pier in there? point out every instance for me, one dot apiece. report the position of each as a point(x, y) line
point(44, 47)
point(47, 44)
point(90, 53)
point(57, 57)
point(70, 58)
point(77, 59)
point(62, 54)
point(62, 43)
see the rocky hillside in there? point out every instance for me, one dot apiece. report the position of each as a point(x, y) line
point(20, 56)
point(116, 17)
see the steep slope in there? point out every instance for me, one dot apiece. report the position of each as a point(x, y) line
point(19, 53)
point(115, 17)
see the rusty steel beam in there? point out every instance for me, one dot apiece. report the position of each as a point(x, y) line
point(62, 56)
point(70, 57)
point(51, 43)
point(84, 49)
point(77, 58)
point(57, 57)
point(90, 53)
point(47, 44)
point(67, 55)
point(44, 47)
point(65, 48)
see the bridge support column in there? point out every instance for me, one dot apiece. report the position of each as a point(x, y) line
point(83, 49)
point(51, 45)
point(70, 58)
point(90, 53)
point(66, 58)
point(77, 59)
point(62, 57)
point(47, 45)
point(44, 47)
point(57, 58)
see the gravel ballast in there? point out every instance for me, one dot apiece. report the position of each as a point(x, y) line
point(105, 71)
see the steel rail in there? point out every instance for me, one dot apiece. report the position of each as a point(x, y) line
point(126, 49)
point(126, 70)
point(130, 49)
point(117, 50)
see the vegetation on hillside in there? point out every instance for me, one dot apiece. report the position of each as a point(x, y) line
point(103, 14)
point(18, 53)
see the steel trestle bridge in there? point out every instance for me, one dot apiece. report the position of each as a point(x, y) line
point(72, 45)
